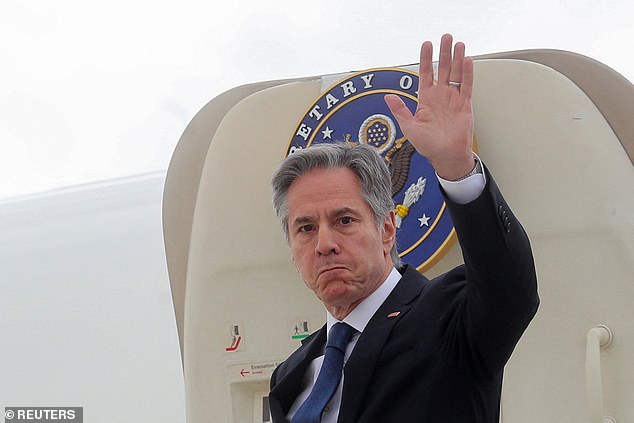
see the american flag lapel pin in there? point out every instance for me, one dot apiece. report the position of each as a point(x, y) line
point(394, 314)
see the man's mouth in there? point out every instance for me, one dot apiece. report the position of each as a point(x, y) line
point(331, 268)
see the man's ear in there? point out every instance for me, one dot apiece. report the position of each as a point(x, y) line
point(389, 231)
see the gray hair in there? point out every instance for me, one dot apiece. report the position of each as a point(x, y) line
point(363, 160)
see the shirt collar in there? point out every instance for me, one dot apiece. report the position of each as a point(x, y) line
point(361, 315)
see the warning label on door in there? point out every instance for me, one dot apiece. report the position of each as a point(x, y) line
point(251, 370)
point(235, 338)
point(300, 328)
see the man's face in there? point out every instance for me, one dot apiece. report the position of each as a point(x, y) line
point(335, 243)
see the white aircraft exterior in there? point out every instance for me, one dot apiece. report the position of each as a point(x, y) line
point(239, 306)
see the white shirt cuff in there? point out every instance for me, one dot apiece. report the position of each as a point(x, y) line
point(465, 190)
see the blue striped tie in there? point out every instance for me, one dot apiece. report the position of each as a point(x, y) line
point(329, 375)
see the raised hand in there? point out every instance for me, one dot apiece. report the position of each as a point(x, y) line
point(442, 127)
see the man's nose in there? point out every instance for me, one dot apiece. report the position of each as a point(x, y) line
point(326, 242)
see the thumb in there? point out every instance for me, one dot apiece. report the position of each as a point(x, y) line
point(399, 109)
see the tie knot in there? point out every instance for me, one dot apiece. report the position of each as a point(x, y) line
point(340, 335)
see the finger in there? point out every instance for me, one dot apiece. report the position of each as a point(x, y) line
point(425, 69)
point(466, 88)
point(458, 59)
point(444, 62)
point(398, 108)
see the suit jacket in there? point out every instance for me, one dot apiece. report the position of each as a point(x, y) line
point(441, 359)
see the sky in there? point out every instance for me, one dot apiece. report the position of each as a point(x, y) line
point(93, 91)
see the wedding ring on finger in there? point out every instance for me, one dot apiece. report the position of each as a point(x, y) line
point(454, 84)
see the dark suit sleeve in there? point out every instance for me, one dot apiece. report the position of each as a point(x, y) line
point(500, 297)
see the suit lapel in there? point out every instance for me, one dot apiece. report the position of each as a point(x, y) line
point(360, 366)
point(290, 380)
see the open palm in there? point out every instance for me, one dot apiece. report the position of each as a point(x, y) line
point(441, 129)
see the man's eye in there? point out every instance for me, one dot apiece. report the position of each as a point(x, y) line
point(305, 228)
point(345, 220)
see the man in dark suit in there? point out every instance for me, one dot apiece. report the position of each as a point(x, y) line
point(422, 351)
